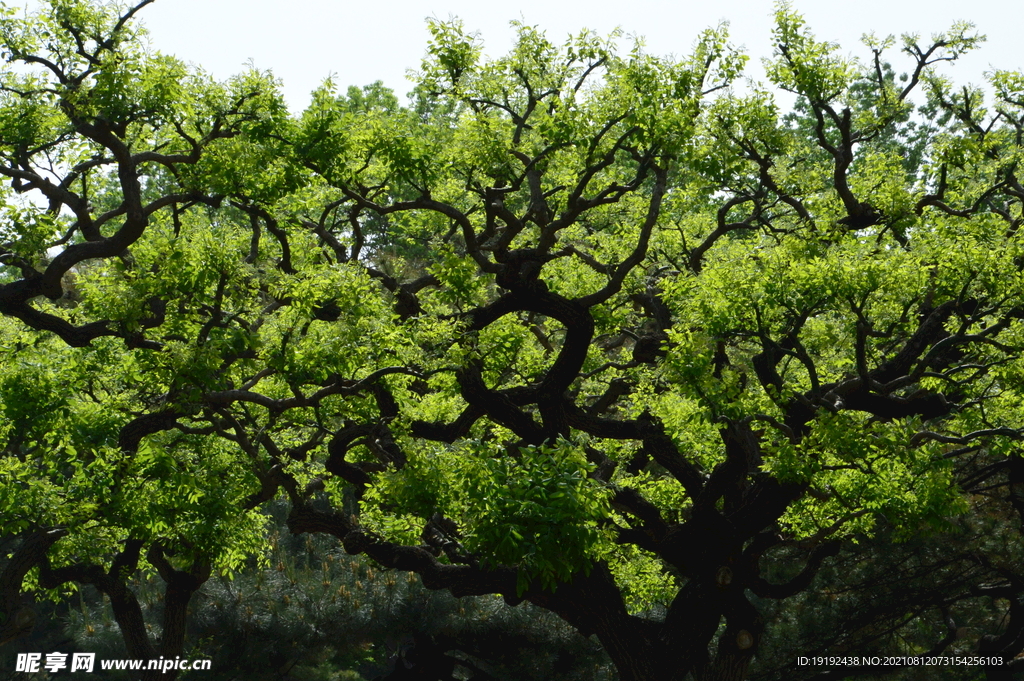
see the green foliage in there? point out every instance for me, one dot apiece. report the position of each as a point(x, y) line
point(579, 320)
point(538, 511)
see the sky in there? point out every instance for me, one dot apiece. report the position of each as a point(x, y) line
point(304, 41)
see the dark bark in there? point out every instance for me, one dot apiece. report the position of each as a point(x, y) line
point(180, 586)
point(18, 617)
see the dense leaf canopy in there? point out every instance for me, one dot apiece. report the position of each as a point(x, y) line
point(611, 333)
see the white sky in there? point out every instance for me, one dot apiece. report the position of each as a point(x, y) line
point(303, 41)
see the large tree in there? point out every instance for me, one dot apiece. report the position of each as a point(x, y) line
point(581, 328)
point(94, 131)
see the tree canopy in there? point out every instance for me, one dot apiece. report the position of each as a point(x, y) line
point(614, 334)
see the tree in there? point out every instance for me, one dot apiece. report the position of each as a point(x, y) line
point(579, 328)
point(94, 131)
point(313, 613)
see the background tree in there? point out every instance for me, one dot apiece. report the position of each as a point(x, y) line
point(312, 613)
